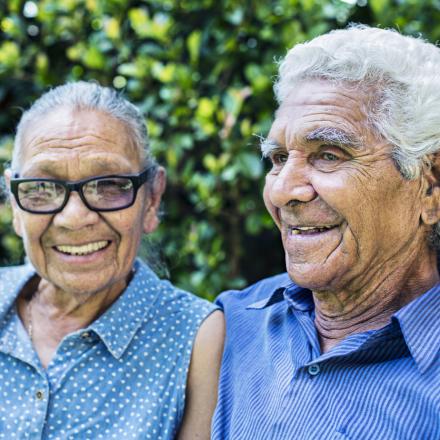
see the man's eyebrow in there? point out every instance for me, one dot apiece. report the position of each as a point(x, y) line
point(335, 136)
point(268, 145)
point(328, 135)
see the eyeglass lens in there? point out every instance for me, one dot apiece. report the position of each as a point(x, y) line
point(43, 196)
point(108, 193)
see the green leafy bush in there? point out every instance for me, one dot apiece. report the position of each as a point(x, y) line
point(201, 70)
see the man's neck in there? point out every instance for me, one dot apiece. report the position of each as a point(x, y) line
point(345, 312)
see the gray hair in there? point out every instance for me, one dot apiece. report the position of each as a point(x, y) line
point(92, 96)
point(404, 73)
point(83, 95)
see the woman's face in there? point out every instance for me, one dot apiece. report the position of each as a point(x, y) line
point(78, 250)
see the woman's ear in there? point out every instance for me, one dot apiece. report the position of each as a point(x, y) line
point(15, 210)
point(155, 192)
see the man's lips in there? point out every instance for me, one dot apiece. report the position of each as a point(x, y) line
point(310, 230)
point(82, 249)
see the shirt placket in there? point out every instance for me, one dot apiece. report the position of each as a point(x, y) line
point(36, 396)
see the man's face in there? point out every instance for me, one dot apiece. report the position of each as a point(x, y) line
point(345, 212)
point(73, 145)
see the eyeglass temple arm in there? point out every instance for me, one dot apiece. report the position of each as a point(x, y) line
point(143, 177)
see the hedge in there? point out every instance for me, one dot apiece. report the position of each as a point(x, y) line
point(202, 73)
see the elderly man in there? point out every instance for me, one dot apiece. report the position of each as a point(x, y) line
point(92, 344)
point(346, 346)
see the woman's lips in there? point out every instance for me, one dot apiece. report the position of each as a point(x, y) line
point(82, 249)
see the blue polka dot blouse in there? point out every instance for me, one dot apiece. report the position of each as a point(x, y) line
point(122, 377)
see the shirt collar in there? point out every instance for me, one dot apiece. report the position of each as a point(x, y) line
point(418, 320)
point(10, 286)
point(118, 325)
point(20, 276)
point(419, 324)
point(299, 298)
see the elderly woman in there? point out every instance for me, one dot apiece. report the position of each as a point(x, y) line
point(92, 344)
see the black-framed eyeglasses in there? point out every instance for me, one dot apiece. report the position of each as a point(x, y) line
point(103, 193)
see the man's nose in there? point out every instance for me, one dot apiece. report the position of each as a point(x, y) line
point(292, 183)
point(75, 215)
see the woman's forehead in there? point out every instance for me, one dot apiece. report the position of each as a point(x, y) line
point(75, 165)
point(68, 135)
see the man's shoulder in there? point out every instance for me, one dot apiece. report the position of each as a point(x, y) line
point(253, 293)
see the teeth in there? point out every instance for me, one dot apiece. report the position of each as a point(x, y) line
point(83, 249)
point(297, 230)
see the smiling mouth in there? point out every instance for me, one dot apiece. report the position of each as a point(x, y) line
point(309, 230)
point(84, 249)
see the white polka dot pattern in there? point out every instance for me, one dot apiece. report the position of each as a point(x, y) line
point(123, 377)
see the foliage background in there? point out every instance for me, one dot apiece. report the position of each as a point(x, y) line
point(202, 72)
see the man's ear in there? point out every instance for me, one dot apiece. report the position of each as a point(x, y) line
point(431, 198)
point(16, 223)
point(157, 188)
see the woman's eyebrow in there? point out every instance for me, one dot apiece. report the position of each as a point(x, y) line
point(96, 166)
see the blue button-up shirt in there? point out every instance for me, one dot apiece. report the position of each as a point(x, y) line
point(276, 384)
point(122, 377)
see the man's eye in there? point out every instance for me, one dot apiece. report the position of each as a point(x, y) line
point(329, 156)
point(278, 158)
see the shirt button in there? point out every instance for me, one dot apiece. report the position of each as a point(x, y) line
point(85, 335)
point(314, 369)
point(39, 395)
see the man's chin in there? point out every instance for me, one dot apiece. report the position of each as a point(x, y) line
point(312, 276)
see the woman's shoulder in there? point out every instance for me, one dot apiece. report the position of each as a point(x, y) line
point(172, 301)
point(181, 302)
point(13, 280)
point(15, 272)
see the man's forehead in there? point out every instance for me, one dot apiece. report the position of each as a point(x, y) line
point(313, 92)
point(322, 110)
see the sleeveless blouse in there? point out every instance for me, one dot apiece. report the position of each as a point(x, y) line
point(122, 377)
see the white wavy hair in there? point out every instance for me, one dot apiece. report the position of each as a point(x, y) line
point(88, 96)
point(403, 71)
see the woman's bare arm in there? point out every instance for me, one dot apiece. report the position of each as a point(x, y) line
point(201, 391)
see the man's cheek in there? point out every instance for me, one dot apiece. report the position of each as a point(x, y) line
point(273, 211)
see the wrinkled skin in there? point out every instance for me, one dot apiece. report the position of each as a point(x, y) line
point(73, 290)
point(72, 146)
point(330, 170)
